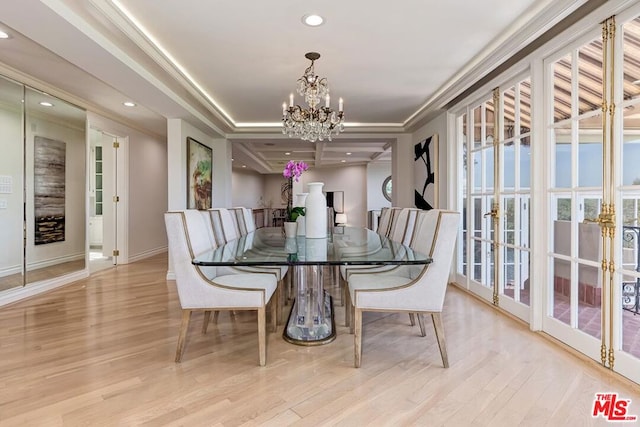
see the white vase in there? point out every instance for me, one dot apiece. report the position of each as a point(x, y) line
point(316, 212)
point(300, 201)
point(290, 229)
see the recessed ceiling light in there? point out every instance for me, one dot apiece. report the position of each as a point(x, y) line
point(129, 104)
point(343, 161)
point(3, 35)
point(348, 154)
point(244, 166)
point(287, 153)
point(232, 160)
point(636, 82)
point(312, 20)
point(46, 104)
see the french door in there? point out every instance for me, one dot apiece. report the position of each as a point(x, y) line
point(594, 194)
point(494, 258)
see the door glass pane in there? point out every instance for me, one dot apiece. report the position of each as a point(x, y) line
point(489, 123)
point(631, 52)
point(525, 163)
point(509, 165)
point(464, 154)
point(477, 216)
point(477, 260)
point(631, 147)
point(509, 218)
point(562, 153)
point(630, 284)
point(590, 152)
point(589, 300)
point(509, 118)
point(525, 106)
point(562, 88)
point(477, 170)
point(561, 297)
point(488, 169)
point(477, 127)
point(590, 77)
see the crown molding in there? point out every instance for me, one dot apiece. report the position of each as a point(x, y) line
point(519, 34)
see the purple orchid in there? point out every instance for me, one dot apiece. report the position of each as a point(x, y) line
point(293, 170)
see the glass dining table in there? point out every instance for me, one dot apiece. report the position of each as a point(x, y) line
point(311, 320)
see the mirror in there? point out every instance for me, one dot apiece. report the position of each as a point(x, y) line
point(387, 188)
point(11, 184)
point(55, 142)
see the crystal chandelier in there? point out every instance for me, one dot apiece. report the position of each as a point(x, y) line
point(314, 123)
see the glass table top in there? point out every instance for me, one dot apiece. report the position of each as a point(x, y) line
point(346, 246)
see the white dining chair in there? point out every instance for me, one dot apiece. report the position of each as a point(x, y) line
point(225, 225)
point(187, 234)
point(400, 231)
point(418, 289)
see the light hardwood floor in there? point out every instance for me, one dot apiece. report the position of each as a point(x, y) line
point(100, 352)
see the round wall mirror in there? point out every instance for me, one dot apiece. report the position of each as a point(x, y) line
point(387, 187)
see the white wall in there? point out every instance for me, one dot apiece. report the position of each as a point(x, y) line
point(377, 172)
point(272, 195)
point(439, 126)
point(177, 132)
point(248, 189)
point(146, 195)
point(350, 179)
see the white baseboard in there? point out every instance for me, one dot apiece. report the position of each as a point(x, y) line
point(55, 261)
point(16, 269)
point(16, 294)
point(147, 254)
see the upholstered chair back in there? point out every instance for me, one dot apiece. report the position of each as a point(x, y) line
point(194, 289)
point(200, 235)
point(249, 220)
point(384, 221)
point(216, 222)
point(426, 291)
point(412, 215)
point(239, 217)
point(435, 277)
point(229, 224)
point(400, 223)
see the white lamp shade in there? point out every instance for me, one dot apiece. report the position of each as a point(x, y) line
point(341, 218)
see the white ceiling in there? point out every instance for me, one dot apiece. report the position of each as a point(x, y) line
point(226, 66)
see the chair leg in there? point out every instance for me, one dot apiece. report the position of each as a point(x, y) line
point(216, 314)
point(262, 335)
point(357, 337)
point(337, 280)
point(352, 316)
point(275, 309)
point(412, 319)
point(347, 309)
point(186, 316)
point(278, 298)
point(423, 332)
point(437, 325)
point(205, 323)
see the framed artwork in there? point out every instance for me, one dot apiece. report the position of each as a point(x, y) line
point(49, 184)
point(425, 170)
point(199, 175)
